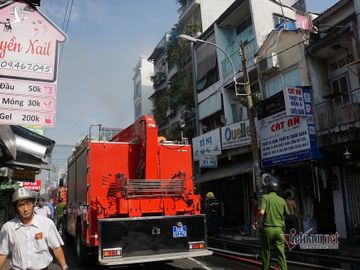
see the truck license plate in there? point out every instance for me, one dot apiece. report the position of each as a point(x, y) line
point(179, 231)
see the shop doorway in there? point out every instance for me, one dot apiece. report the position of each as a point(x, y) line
point(234, 194)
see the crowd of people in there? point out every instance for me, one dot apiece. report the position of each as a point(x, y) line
point(51, 211)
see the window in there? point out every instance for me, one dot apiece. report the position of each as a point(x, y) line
point(239, 113)
point(340, 84)
point(243, 25)
point(288, 78)
point(235, 113)
point(137, 92)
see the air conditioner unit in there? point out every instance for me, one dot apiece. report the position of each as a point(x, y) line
point(268, 64)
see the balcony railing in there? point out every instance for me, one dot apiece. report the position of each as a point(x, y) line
point(250, 50)
point(341, 110)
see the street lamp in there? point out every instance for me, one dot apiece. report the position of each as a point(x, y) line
point(250, 106)
point(192, 39)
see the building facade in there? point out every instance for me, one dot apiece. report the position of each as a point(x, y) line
point(173, 98)
point(222, 149)
point(143, 87)
point(333, 57)
point(315, 75)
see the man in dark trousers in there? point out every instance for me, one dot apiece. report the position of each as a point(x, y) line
point(212, 209)
point(274, 209)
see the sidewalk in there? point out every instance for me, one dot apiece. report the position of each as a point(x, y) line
point(347, 247)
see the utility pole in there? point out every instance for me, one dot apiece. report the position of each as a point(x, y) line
point(253, 134)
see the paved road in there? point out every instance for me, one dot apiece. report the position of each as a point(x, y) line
point(201, 263)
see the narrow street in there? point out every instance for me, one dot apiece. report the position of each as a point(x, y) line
point(213, 262)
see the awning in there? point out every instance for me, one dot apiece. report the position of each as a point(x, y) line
point(7, 140)
point(27, 161)
point(31, 149)
point(226, 171)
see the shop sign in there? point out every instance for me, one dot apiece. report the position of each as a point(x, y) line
point(29, 50)
point(23, 175)
point(27, 88)
point(235, 135)
point(208, 144)
point(208, 162)
point(14, 117)
point(294, 101)
point(29, 43)
point(35, 186)
point(284, 139)
point(27, 103)
point(287, 139)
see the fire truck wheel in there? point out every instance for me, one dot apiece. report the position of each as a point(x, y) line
point(81, 250)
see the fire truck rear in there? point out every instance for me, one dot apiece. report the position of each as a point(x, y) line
point(131, 199)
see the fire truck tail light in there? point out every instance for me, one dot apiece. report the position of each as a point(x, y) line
point(196, 245)
point(110, 253)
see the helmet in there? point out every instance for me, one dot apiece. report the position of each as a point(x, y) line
point(273, 184)
point(210, 195)
point(22, 194)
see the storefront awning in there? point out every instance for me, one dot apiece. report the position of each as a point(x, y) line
point(7, 141)
point(226, 171)
point(28, 149)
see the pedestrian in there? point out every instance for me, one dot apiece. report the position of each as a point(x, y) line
point(50, 204)
point(291, 219)
point(60, 211)
point(212, 211)
point(41, 209)
point(273, 209)
point(26, 239)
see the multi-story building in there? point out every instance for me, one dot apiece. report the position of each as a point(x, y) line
point(204, 12)
point(173, 61)
point(143, 87)
point(313, 78)
point(285, 119)
point(223, 146)
point(160, 80)
point(333, 57)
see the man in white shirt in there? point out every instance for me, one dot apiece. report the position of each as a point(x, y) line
point(41, 209)
point(28, 237)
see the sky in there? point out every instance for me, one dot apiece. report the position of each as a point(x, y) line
point(105, 41)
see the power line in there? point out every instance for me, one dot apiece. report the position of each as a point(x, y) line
point(66, 21)
point(65, 16)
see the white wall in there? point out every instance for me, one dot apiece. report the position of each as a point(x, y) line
point(211, 10)
point(143, 71)
point(262, 12)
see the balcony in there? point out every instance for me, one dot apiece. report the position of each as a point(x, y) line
point(339, 114)
point(250, 49)
point(158, 79)
point(185, 6)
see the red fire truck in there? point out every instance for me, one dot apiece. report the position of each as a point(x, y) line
point(131, 199)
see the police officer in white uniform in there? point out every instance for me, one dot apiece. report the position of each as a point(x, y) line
point(28, 237)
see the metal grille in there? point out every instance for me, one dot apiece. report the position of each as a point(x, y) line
point(145, 188)
point(133, 188)
point(353, 188)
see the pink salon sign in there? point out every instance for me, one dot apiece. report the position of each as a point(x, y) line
point(29, 43)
